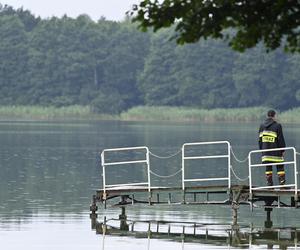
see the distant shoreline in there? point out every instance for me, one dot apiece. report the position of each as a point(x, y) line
point(143, 113)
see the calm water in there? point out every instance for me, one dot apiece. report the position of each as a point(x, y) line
point(49, 172)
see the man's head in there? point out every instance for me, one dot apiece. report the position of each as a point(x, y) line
point(271, 113)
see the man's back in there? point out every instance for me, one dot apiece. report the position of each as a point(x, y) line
point(271, 137)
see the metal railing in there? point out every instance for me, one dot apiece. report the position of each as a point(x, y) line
point(109, 164)
point(293, 162)
point(184, 158)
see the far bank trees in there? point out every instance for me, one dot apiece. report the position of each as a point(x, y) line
point(113, 67)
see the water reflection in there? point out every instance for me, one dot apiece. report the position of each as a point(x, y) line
point(222, 235)
point(49, 171)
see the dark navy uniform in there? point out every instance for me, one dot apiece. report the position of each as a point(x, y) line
point(271, 136)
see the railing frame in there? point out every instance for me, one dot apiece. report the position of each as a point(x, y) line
point(184, 158)
point(109, 164)
point(294, 162)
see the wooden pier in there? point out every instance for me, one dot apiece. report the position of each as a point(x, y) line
point(266, 197)
point(233, 197)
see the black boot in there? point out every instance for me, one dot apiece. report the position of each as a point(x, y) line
point(281, 179)
point(269, 180)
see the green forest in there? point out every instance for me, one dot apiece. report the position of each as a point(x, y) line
point(112, 67)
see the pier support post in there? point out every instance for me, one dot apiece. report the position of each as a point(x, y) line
point(101, 227)
point(183, 197)
point(104, 226)
point(235, 207)
point(268, 222)
point(235, 197)
point(93, 206)
point(123, 220)
point(103, 199)
point(169, 198)
point(93, 218)
point(124, 200)
point(150, 198)
point(294, 201)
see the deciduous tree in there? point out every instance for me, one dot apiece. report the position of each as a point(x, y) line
point(243, 23)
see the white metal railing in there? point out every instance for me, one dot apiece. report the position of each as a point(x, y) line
point(293, 162)
point(199, 157)
point(107, 164)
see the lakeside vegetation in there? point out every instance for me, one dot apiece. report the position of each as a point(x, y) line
point(144, 113)
point(40, 113)
point(204, 115)
point(112, 67)
point(193, 114)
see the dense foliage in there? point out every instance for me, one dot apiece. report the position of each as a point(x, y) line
point(112, 67)
point(273, 22)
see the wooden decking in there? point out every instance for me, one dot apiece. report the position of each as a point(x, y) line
point(237, 194)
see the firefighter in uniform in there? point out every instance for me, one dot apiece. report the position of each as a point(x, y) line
point(271, 136)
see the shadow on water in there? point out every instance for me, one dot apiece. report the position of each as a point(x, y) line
point(223, 235)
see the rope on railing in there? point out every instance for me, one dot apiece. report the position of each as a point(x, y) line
point(236, 176)
point(172, 175)
point(240, 161)
point(165, 176)
point(165, 157)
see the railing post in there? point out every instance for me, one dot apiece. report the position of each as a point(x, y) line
point(296, 174)
point(148, 169)
point(103, 172)
point(229, 165)
point(182, 164)
point(250, 174)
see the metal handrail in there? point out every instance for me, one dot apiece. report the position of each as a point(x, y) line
point(106, 164)
point(293, 162)
point(205, 157)
point(198, 157)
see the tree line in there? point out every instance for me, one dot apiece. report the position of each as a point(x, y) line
point(112, 66)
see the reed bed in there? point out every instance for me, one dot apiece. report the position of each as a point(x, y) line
point(291, 116)
point(145, 113)
point(48, 113)
point(193, 114)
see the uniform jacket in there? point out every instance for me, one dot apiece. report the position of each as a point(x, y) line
point(271, 136)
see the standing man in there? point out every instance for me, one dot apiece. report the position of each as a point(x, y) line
point(271, 136)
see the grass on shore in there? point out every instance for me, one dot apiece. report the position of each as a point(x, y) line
point(291, 116)
point(144, 113)
point(49, 113)
point(204, 115)
point(193, 114)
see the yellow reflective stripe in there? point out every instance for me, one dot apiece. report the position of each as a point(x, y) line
point(281, 173)
point(272, 158)
point(269, 172)
point(267, 133)
point(268, 139)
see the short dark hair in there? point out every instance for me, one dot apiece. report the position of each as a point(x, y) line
point(271, 113)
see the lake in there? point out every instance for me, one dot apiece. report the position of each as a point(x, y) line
point(50, 170)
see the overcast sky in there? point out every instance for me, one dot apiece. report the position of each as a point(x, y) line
point(111, 9)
